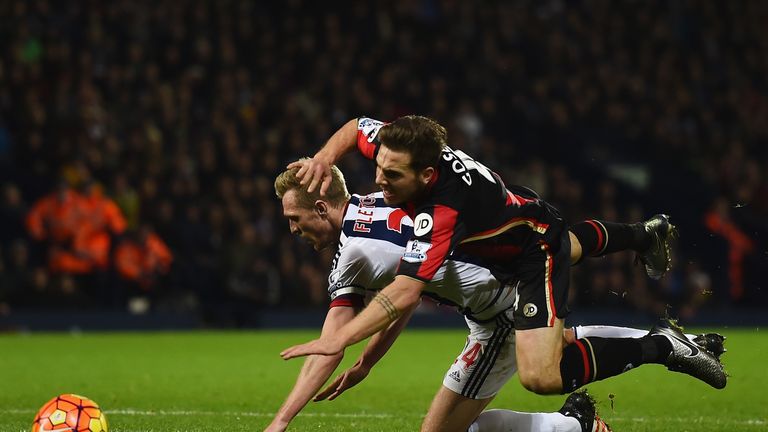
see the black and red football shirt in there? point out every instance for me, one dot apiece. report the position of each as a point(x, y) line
point(468, 210)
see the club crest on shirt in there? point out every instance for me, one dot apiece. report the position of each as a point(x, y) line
point(416, 251)
point(369, 127)
point(530, 310)
point(333, 278)
point(422, 225)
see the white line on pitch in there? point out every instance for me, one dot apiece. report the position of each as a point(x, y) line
point(136, 412)
point(750, 422)
point(241, 414)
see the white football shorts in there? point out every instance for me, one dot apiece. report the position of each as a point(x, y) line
point(487, 361)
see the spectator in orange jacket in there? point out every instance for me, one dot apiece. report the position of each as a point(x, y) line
point(79, 228)
point(143, 258)
point(57, 219)
point(102, 219)
point(55, 216)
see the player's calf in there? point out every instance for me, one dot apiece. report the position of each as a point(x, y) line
point(651, 240)
point(578, 414)
point(593, 358)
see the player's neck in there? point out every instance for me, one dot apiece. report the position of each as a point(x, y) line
point(336, 217)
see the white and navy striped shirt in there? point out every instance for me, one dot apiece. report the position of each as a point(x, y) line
point(373, 240)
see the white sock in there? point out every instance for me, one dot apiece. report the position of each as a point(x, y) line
point(500, 420)
point(613, 332)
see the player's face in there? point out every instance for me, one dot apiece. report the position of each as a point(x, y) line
point(394, 175)
point(311, 224)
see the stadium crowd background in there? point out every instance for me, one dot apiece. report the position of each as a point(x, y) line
point(169, 120)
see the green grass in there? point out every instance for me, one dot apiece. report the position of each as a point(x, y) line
point(234, 381)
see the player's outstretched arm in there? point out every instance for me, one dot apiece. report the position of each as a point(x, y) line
point(318, 169)
point(374, 351)
point(314, 373)
point(392, 302)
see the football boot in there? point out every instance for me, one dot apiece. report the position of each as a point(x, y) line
point(657, 259)
point(689, 357)
point(581, 406)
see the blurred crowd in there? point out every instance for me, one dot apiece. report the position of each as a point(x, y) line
point(139, 141)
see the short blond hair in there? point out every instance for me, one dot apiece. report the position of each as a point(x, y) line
point(336, 195)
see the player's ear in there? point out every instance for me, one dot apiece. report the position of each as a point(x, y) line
point(321, 207)
point(427, 174)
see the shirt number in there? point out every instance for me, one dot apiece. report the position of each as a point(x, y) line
point(470, 356)
point(461, 163)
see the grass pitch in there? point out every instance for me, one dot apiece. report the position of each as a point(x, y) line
point(235, 381)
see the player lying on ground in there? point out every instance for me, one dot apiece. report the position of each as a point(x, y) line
point(370, 238)
point(460, 206)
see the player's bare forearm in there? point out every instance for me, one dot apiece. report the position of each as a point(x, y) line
point(377, 347)
point(340, 143)
point(382, 341)
point(391, 303)
point(315, 372)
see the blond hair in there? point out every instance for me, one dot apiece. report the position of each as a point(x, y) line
point(336, 195)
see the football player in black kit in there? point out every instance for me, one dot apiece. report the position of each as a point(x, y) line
point(458, 205)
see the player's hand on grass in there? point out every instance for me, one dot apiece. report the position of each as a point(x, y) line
point(317, 346)
point(313, 172)
point(350, 378)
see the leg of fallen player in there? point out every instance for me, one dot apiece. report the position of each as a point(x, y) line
point(501, 420)
point(451, 412)
point(539, 353)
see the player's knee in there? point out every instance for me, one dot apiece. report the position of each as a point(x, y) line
point(575, 248)
point(540, 381)
point(540, 386)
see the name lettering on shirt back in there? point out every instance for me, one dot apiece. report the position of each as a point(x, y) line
point(364, 214)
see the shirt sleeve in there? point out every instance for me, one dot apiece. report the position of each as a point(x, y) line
point(437, 230)
point(367, 133)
